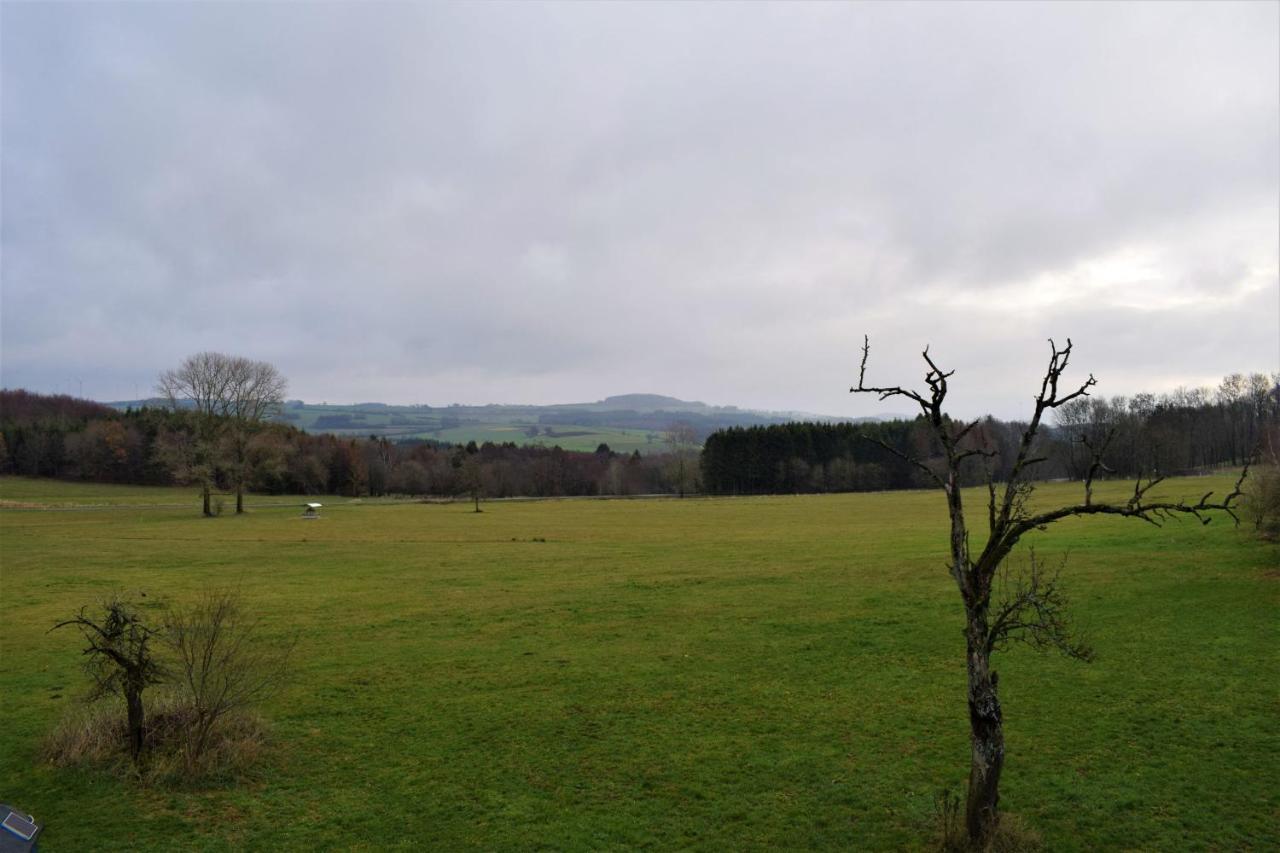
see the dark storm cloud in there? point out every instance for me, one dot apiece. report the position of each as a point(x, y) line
point(553, 202)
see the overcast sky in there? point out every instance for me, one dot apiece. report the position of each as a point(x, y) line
point(553, 203)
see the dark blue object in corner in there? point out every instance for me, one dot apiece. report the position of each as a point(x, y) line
point(19, 832)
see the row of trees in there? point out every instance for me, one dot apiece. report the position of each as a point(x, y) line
point(51, 437)
point(1179, 432)
point(215, 434)
point(1187, 430)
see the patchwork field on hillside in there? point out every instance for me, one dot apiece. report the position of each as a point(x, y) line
point(522, 425)
point(727, 674)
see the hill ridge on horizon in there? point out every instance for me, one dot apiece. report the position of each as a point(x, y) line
point(635, 402)
point(624, 422)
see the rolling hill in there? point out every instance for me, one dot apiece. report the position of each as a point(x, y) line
point(625, 422)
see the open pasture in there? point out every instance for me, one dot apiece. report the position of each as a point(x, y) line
point(750, 673)
point(581, 438)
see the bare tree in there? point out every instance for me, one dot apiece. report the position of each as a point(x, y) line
point(682, 439)
point(119, 659)
point(222, 661)
point(229, 396)
point(204, 381)
point(1034, 610)
point(472, 474)
point(257, 392)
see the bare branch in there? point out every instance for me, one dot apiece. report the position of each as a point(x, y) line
point(887, 391)
point(1097, 463)
point(1153, 512)
point(907, 458)
point(1047, 399)
point(1034, 610)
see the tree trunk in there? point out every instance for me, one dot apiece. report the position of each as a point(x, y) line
point(204, 494)
point(987, 739)
point(241, 467)
point(133, 703)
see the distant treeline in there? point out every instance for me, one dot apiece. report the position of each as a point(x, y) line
point(1189, 430)
point(1186, 431)
point(59, 436)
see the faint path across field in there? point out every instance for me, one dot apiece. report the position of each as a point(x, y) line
point(36, 506)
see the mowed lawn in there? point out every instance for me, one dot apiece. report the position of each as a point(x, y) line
point(728, 674)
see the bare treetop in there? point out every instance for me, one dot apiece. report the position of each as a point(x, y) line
point(231, 396)
point(224, 385)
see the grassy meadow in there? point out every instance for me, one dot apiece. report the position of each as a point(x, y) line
point(718, 674)
point(498, 424)
point(581, 438)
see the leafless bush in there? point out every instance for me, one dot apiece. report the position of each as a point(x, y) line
point(222, 663)
point(1262, 492)
point(1010, 835)
point(213, 664)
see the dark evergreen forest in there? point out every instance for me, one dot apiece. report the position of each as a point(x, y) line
point(1183, 432)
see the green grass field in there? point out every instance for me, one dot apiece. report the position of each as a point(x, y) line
point(730, 674)
point(582, 438)
point(498, 424)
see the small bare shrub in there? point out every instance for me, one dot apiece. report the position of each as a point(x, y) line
point(1011, 835)
point(948, 816)
point(223, 665)
point(213, 664)
point(1262, 491)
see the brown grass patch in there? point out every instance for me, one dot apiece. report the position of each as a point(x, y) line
point(95, 736)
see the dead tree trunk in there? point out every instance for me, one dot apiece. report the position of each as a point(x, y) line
point(136, 718)
point(986, 730)
point(986, 734)
point(1035, 614)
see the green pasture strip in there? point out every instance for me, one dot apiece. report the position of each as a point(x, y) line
point(42, 493)
point(718, 674)
point(581, 438)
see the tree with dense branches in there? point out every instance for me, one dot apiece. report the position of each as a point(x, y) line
point(1033, 610)
point(230, 397)
point(120, 660)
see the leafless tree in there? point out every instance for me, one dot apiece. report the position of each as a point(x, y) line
point(1035, 609)
point(473, 476)
point(223, 662)
point(229, 396)
point(120, 660)
point(682, 440)
point(257, 392)
point(204, 381)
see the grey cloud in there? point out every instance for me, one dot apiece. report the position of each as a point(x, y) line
point(551, 202)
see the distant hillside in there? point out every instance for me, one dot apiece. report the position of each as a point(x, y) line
point(639, 403)
point(625, 422)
